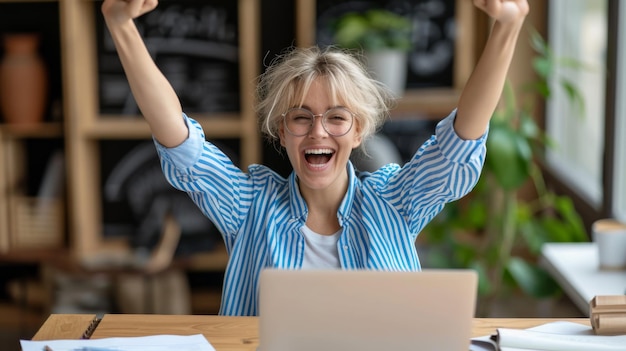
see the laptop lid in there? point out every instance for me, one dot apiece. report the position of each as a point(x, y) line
point(366, 310)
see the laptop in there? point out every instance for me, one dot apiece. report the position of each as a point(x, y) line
point(364, 310)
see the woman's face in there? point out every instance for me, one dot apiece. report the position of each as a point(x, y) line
point(318, 158)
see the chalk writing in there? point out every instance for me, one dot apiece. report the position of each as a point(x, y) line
point(194, 43)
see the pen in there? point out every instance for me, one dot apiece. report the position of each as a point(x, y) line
point(84, 348)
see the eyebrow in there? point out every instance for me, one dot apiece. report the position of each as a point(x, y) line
point(306, 107)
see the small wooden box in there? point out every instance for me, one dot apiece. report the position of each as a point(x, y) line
point(608, 314)
point(36, 223)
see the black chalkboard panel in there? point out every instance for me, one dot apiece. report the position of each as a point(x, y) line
point(194, 43)
point(431, 61)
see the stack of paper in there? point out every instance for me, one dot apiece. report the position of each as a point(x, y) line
point(556, 336)
point(142, 343)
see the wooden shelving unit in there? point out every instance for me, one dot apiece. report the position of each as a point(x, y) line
point(83, 127)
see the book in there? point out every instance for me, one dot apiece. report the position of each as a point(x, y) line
point(555, 336)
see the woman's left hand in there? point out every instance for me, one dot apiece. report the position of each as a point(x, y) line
point(504, 11)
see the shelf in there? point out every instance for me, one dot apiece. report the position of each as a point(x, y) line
point(430, 103)
point(38, 130)
point(226, 125)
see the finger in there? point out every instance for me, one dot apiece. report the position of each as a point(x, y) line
point(490, 7)
point(135, 6)
point(150, 5)
point(523, 6)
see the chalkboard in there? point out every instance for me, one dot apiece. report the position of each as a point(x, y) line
point(431, 61)
point(194, 43)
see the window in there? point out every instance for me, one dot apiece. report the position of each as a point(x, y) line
point(578, 30)
point(594, 32)
point(619, 178)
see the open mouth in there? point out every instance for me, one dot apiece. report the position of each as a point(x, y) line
point(318, 157)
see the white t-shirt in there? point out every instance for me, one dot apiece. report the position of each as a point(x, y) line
point(320, 251)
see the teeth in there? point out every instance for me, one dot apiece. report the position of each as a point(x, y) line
point(318, 151)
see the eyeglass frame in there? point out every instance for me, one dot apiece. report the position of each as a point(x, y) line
point(322, 115)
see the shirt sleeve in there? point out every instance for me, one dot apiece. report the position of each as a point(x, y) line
point(444, 169)
point(455, 148)
point(187, 153)
point(218, 187)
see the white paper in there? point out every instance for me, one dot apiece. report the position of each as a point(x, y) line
point(555, 336)
point(195, 342)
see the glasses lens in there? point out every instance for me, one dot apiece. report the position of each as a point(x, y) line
point(298, 121)
point(336, 121)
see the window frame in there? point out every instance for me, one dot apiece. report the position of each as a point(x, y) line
point(610, 178)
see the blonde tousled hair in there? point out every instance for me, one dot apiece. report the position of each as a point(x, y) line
point(286, 82)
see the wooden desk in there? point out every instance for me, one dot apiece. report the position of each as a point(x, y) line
point(224, 333)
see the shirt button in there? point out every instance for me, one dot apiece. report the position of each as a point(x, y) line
point(345, 247)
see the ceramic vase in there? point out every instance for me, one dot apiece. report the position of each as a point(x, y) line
point(23, 80)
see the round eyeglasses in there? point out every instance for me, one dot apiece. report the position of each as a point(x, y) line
point(336, 121)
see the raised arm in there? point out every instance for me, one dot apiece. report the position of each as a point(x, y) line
point(155, 97)
point(482, 91)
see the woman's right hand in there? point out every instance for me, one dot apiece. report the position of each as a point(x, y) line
point(121, 11)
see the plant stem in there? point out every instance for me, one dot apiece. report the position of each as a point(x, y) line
point(507, 233)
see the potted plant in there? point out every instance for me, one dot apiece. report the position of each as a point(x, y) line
point(384, 38)
point(497, 230)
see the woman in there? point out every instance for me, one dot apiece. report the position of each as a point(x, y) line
point(320, 105)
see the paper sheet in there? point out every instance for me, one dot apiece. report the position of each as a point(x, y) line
point(556, 336)
point(195, 342)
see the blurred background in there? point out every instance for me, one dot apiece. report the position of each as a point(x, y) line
point(89, 225)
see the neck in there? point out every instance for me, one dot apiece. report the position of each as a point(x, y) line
point(323, 205)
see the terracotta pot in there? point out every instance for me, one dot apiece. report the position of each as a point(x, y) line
point(23, 80)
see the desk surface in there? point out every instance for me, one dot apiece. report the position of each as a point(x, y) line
point(575, 267)
point(224, 333)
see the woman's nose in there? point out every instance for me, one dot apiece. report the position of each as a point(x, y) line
point(317, 129)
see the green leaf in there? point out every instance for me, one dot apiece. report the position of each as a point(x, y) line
point(373, 30)
point(476, 215)
point(508, 156)
point(542, 66)
point(556, 230)
point(538, 43)
point(531, 279)
point(528, 127)
point(566, 210)
point(574, 95)
point(543, 89)
point(349, 30)
point(484, 284)
point(534, 235)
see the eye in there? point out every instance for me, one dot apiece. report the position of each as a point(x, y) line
point(338, 116)
point(299, 116)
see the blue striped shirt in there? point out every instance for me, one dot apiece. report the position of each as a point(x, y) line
point(260, 213)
